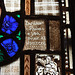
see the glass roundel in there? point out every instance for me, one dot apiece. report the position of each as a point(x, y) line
point(11, 38)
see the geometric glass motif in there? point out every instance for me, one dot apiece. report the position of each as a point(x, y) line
point(27, 65)
point(10, 46)
point(9, 24)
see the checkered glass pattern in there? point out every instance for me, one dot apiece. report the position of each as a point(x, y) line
point(47, 7)
point(12, 5)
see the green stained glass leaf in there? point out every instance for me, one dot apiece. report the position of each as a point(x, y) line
point(19, 33)
point(19, 38)
point(1, 58)
point(18, 16)
point(1, 36)
point(1, 53)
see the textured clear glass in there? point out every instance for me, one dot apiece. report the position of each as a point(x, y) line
point(12, 5)
point(54, 34)
point(11, 69)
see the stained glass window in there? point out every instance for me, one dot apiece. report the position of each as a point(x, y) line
point(41, 33)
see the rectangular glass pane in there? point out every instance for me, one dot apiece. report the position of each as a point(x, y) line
point(27, 7)
point(67, 17)
point(47, 7)
point(12, 5)
point(47, 64)
point(26, 65)
point(35, 35)
point(54, 34)
point(11, 69)
point(67, 3)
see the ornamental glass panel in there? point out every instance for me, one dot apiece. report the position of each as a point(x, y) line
point(27, 7)
point(47, 64)
point(27, 65)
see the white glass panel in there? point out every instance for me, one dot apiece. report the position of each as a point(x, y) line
point(67, 4)
point(12, 5)
point(11, 69)
point(46, 7)
point(67, 17)
point(46, 64)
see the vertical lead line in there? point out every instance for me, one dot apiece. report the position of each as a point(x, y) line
point(47, 35)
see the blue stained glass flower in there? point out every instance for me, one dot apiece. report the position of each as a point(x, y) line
point(10, 46)
point(9, 24)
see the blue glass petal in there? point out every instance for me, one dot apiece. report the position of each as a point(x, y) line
point(12, 54)
point(3, 29)
point(3, 45)
point(12, 19)
point(16, 47)
point(9, 25)
point(15, 24)
point(10, 46)
point(7, 18)
point(8, 31)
